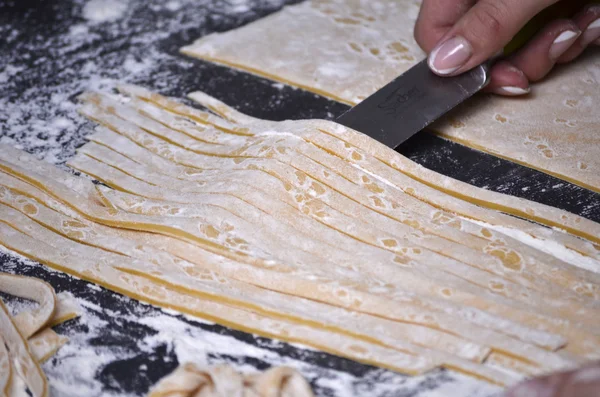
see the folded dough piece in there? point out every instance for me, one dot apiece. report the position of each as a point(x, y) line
point(24, 365)
point(5, 369)
point(347, 49)
point(32, 325)
point(45, 343)
point(30, 321)
point(189, 380)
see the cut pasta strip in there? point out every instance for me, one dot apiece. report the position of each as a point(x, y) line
point(176, 210)
point(423, 179)
point(538, 212)
point(67, 309)
point(304, 231)
point(516, 366)
point(46, 343)
point(452, 363)
point(34, 325)
point(580, 288)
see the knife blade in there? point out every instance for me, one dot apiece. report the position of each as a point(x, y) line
point(411, 102)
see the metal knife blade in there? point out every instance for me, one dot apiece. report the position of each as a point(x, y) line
point(411, 102)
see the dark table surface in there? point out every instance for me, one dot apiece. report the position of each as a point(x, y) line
point(50, 51)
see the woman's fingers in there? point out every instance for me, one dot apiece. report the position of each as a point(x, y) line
point(479, 34)
point(540, 55)
point(511, 77)
point(588, 21)
point(461, 34)
point(507, 80)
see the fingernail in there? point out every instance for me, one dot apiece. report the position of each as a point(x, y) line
point(562, 43)
point(592, 33)
point(511, 91)
point(449, 56)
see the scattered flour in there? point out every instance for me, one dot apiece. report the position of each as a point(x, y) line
point(104, 10)
point(37, 100)
point(173, 5)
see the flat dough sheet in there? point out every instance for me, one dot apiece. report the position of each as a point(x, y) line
point(347, 49)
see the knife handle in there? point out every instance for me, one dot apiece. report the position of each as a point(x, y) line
point(562, 9)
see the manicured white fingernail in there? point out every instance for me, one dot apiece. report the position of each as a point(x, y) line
point(512, 91)
point(562, 43)
point(592, 33)
point(449, 56)
point(564, 36)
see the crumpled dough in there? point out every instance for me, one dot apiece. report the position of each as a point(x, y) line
point(28, 335)
point(188, 380)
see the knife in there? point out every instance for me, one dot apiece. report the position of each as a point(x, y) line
point(418, 97)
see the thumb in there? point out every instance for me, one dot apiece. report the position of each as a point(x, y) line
point(483, 31)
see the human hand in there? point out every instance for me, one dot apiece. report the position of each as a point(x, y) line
point(461, 34)
point(583, 382)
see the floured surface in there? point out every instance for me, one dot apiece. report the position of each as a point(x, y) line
point(346, 50)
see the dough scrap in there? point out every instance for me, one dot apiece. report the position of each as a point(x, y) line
point(189, 380)
point(19, 365)
point(305, 231)
point(5, 369)
point(30, 321)
point(24, 365)
point(347, 49)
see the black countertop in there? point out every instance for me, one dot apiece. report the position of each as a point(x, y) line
point(50, 52)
